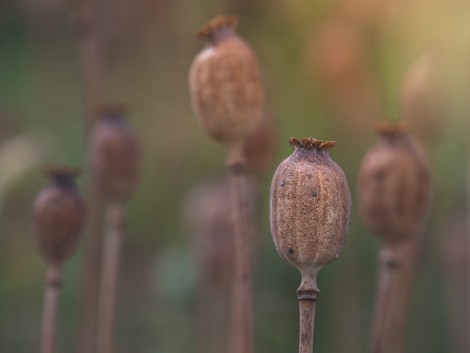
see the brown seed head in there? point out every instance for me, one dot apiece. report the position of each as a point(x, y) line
point(115, 155)
point(423, 99)
point(261, 146)
point(310, 206)
point(225, 84)
point(393, 185)
point(59, 214)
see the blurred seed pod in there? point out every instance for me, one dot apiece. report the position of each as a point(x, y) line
point(310, 206)
point(225, 83)
point(115, 154)
point(394, 185)
point(59, 214)
point(338, 57)
point(261, 146)
point(423, 100)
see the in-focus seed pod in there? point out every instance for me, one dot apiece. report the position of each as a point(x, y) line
point(59, 214)
point(310, 207)
point(115, 154)
point(393, 185)
point(225, 83)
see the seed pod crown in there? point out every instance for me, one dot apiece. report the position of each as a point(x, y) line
point(393, 185)
point(225, 83)
point(115, 155)
point(310, 206)
point(59, 214)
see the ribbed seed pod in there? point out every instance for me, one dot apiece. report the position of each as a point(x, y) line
point(59, 214)
point(225, 83)
point(393, 185)
point(115, 154)
point(310, 206)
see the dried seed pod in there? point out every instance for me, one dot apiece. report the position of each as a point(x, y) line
point(59, 214)
point(115, 155)
point(225, 83)
point(310, 207)
point(393, 185)
point(423, 99)
point(261, 146)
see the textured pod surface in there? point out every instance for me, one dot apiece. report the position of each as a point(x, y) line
point(393, 185)
point(310, 206)
point(225, 83)
point(115, 156)
point(59, 214)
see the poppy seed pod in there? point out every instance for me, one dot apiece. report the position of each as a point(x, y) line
point(115, 155)
point(310, 207)
point(225, 83)
point(393, 185)
point(59, 214)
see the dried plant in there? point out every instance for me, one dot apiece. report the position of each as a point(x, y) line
point(208, 213)
point(115, 162)
point(393, 188)
point(309, 215)
point(59, 214)
point(88, 28)
point(228, 97)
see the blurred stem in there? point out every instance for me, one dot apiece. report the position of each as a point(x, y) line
point(397, 266)
point(242, 302)
point(387, 272)
point(109, 277)
point(89, 49)
point(51, 302)
point(307, 295)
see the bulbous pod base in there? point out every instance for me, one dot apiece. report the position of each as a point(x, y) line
point(394, 185)
point(310, 206)
point(59, 215)
point(225, 84)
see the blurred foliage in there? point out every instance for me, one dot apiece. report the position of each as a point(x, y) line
point(148, 46)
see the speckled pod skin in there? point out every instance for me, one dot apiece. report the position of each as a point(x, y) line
point(115, 155)
point(310, 206)
point(393, 185)
point(59, 214)
point(225, 83)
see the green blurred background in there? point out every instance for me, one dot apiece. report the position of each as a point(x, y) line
point(330, 68)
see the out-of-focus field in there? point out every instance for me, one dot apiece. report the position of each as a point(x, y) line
point(330, 68)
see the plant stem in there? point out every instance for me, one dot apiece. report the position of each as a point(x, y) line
point(389, 265)
point(89, 46)
point(307, 294)
point(109, 277)
point(242, 302)
point(51, 301)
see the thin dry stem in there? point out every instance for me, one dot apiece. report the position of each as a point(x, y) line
point(89, 47)
point(307, 318)
point(109, 277)
point(389, 265)
point(51, 302)
point(242, 302)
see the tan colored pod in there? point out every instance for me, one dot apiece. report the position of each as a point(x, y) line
point(225, 83)
point(59, 215)
point(310, 206)
point(424, 100)
point(115, 154)
point(393, 185)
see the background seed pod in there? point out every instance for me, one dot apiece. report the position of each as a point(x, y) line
point(115, 155)
point(393, 185)
point(310, 206)
point(225, 83)
point(59, 214)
